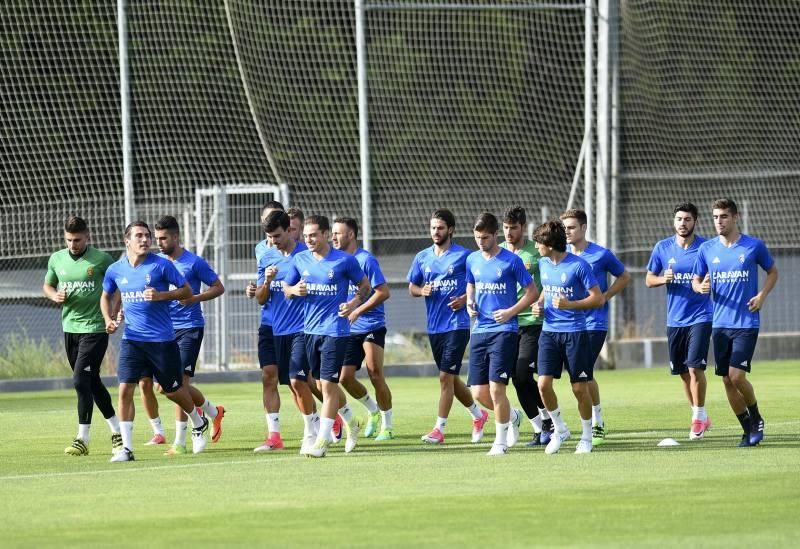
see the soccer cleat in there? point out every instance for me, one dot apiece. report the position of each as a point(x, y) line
point(319, 449)
point(497, 450)
point(157, 439)
point(547, 431)
point(199, 437)
point(116, 443)
point(745, 442)
point(77, 448)
point(512, 435)
point(353, 429)
point(336, 431)
point(373, 422)
point(757, 431)
point(478, 425)
point(434, 437)
point(307, 444)
point(583, 447)
point(385, 434)
point(272, 442)
point(216, 427)
point(176, 450)
point(123, 455)
point(537, 440)
point(699, 428)
point(555, 442)
point(598, 435)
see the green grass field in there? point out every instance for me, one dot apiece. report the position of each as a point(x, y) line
point(629, 492)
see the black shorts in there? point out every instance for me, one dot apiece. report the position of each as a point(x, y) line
point(688, 347)
point(85, 350)
point(354, 355)
point(733, 348)
point(528, 351)
point(266, 346)
point(189, 341)
point(448, 350)
point(158, 359)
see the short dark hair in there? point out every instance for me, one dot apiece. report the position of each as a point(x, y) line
point(725, 204)
point(687, 207)
point(133, 224)
point(552, 233)
point(580, 215)
point(446, 216)
point(75, 224)
point(515, 215)
point(320, 221)
point(295, 213)
point(275, 219)
point(486, 223)
point(169, 224)
point(350, 222)
point(272, 205)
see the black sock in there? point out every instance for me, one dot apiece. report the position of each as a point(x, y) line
point(744, 420)
point(754, 413)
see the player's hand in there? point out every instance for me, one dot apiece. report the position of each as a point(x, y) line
point(269, 274)
point(537, 308)
point(457, 302)
point(111, 326)
point(669, 275)
point(352, 317)
point(427, 289)
point(189, 300)
point(755, 303)
point(345, 310)
point(250, 290)
point(502, 315)
point(120, 317)
point(560, 302)
point(301, 289)
point(60, 297)
point(705, 286)
point(472, 310)
point(150, 294)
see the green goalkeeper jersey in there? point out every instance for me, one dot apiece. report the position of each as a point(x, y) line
point(530, 257)
point(82, 280)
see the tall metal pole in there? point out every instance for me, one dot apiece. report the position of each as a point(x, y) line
point(588, 159)
point(363, 126)
point(125, 103)
point(603, 121)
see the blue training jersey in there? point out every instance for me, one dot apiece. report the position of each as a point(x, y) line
point(603, 262)
point(447, 274)
point(196, 271)
point(571, 278)
point(286, 314)
point(374, 318)
point(685, 307)
point(734, 278)
point(269, 256)
point(144, 320)
point(260, 249)
point(327, 281)
point(495, 280)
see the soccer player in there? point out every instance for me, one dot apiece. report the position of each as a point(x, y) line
point(493, 274)
point(688, 313)
point(287, 322)
point(603, 263)
point(569, 289)
point(515, 229)
point(296, 219)
point(322, 275)
point(727, 268)
point(148, 348)
point(74, 281)
point(188, 321)
point(439, 274)
point(367, 335)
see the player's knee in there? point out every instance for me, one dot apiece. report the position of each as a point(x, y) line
point(376, 376)
point(269, 377)
point(82, 382)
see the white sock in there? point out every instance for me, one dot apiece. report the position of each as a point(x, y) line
point(346, 413)
point(197, 421)
point(558, 421)
point(180, 432)
point(126, 429)
point(158, 429)
point(536, 423)
point(701, 413)
point(386, 419)
point(83, 432)
point(308, 425)
point(501, 430)
point(314, 423)
point(325, 429)
point(113, 424)
point(597, 415)
point(695, 413)
point(441, 423)
point(369, 403)
point(209, 409)
point(274, 423)
point(475, 411)
point(544, 414)
point(586, 430)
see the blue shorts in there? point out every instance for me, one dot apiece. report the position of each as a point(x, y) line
point(733, 348)
point(325, 356)
point(688, 347)
point(266, 346)
point(354, 354)
point(492, 357)
point(566, 350)
point(189, 341)
point(292, 361)
point(158, 359)
point(597, 338)
point(448, 350)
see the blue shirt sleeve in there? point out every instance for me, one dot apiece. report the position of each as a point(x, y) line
point(292, 275)
point(613, 265)
point(415, 272)
point(204, 272)
point(353, 270)
point(373, 271)
point(470, 276)
point(586, 276)
point(109, 284)
point(763, 258)
point(700, 266)
point(655, 264)
point(262, 266)
point(172, 275)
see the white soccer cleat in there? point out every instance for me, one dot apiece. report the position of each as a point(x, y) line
point(497, 450)
point(555, 442)
point(353, 429)
point(123, 455)
point(512, 436)
point(199, 440)
point(319, 449)
point(307, 444)
point(584, 447)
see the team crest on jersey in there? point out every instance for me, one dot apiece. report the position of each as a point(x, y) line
point(741, 259)
point(147, 279)
point(716, 260)
point(330, 274)
point(672, 261)
point(528, 266)
point(90, 271)
point(499, 273)
point(451, 269)
point(563, 277)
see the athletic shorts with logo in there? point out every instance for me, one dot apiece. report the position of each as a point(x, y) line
point(688, 347)
point(290, 351)
point(568, 351)
point(325, 356)
point(492, 356)
point(448, 350)
point(157, 359)
point(733, 348)
point(354, 354)
point(189, 341)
